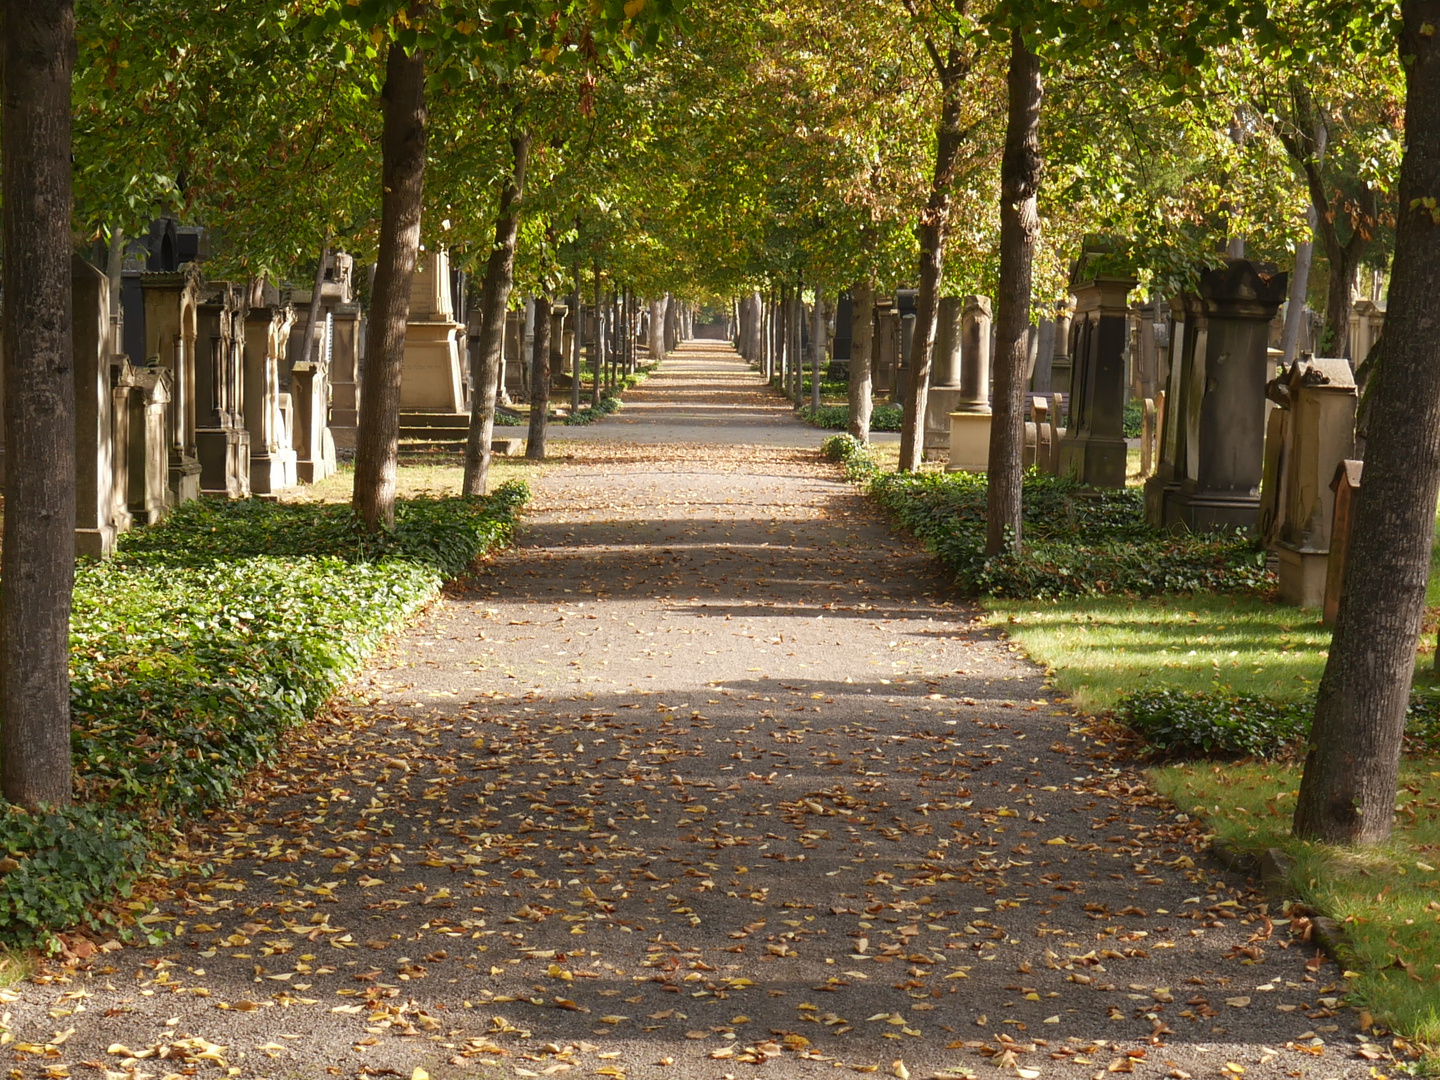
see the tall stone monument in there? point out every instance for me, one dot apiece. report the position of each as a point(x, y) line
point(432, 379)
point(1212, 450)
point(945, 388)
point(268, 325)
point(221, 439)
point(970, 421)
point(167, 337)
point(1094, 449)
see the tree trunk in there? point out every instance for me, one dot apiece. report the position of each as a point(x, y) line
point(817, 351)
point(1304, 258)
point(1347, 792)
point(577, 342)
point(488, 360)
point(302, 345)
point(402, 149)
point(934, 228)
point(657, 330)
point(862, 314)
point(38, 571)
point(539, 381)
point(1019, 232)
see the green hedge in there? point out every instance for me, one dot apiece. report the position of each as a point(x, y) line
point(1078, 541)
point(195, 648)
point(1218, 725)
point(837, 417)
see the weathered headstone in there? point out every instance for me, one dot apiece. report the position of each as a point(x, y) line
point(1316, 431)
point(945, 389)
point(167, 332)
point(970, 421)
point(268, 326)
point(431, 376)
point(1213, 451)
point(1060, 365)
point(1094, 450)
point(221, 439)
point(886, 346)
point(95, 527)
point(1345, 486)
point(1044, 357)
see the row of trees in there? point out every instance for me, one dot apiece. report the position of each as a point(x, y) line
point(957, 145)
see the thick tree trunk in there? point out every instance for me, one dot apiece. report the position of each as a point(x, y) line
point(402, 149)
point(577, 342)
point(1019, 232)
point(539, 381)
point(488, 360)
point(1347, 793)
point(862, 314)
point(657, 330)
point(38, 572)
point(1299, 290)
point(934, 228)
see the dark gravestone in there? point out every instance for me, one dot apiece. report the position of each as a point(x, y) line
point(844, 314)
point(1213, 450)
point(1094, 450)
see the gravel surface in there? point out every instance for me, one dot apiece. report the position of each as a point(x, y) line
point(713, 776)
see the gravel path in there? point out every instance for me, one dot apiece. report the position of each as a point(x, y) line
point(711, 777)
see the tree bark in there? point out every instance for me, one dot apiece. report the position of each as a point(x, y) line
point(377, 438)
point(488, 360)
point(817, 350)
point(1304, 259)
point(38, 569)
point(934, 228)
point(1020, 170)
point(302, 345)
point(862, 314)
point(539, 381)
point(1347, 792)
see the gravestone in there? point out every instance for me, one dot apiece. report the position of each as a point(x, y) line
point(1060, 364)
point(945, 390)
point(1044, 357)
point(1367, 319)
point(431, 376)
point(147, 494)
point(1094, 450)
point(345, 332)
point(221, 439)
point(885, 348)
point(268, 326)
point(970, 421)
point(167, 337)
point(95, 526)
point(1316, 431)
point(905, 307)
point(1212, 453)
point(1345, 487)
point(844, 315)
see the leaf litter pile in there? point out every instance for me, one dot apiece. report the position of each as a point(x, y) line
point(706, 779)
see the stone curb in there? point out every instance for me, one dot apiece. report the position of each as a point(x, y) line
point(1273, 868)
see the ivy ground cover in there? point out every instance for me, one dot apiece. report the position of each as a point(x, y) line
point(195, 649)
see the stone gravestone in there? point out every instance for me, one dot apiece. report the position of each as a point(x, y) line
point(1317, 401)
point(95, 527)
point(268, 326)
point(945, 389)
point(148, 495)
point(431, 376)
point(221, 440)
point(885, 349)
point(904, 328)
point(1367, 319)
point(1094, 448)
point(1060, 365)
point(1212, 453)
point(1345, 486)
point(337, 293)
point(1044, 357)
point(970, 422)
point(166, 335)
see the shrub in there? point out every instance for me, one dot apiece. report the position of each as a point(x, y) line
point(837, 417)
point(1178, 724)
point(1078, 541)
point(196, 648)
point(1134, 420)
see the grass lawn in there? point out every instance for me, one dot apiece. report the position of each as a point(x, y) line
point(1387, 899)
point(1099, 648)
point(413, 479)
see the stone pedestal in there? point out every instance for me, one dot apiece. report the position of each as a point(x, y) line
point(221, 439)
point(885, 349)
point(1094, 449)
point(272, 453)
point(95, 528)
point(166, 336)
point(1060, 365)
point(346, 343)
point(314, 448)
point(432, 379)
point(1212, 455)
point(1319, 433)
point(969, 442)
point(148, 494)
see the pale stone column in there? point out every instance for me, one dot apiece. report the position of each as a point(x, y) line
point(975, 355)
